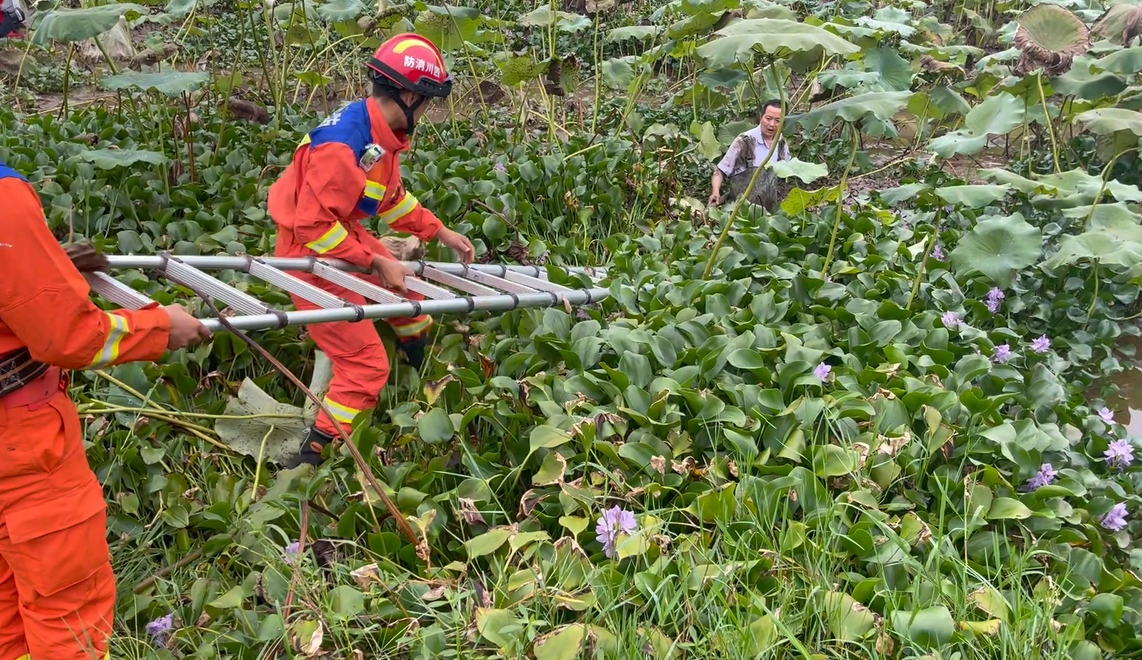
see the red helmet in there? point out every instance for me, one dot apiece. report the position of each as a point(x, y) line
point(410, 61)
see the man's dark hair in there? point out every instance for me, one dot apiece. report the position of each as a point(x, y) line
point(771, 103)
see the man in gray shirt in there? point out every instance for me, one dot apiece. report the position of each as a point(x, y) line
point(745, 154)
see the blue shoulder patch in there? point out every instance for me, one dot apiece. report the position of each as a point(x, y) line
point(9, 173)
point(349, 125)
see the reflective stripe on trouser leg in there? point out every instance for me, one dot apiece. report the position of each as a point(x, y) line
point(409, 329)
point(358, 359)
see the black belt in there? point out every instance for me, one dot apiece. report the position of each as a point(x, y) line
point(17, 369)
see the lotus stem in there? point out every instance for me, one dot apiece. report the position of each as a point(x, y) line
point(1047, 117)
point(840, 204)
point(1094, 298)
point(924, 258)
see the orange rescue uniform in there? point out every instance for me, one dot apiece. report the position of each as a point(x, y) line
point(344, 171)
point(57, 590)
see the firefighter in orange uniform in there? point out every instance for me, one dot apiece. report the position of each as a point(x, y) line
point(344, 171)
point(57, 590)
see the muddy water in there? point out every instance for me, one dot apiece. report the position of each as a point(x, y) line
point(1127, 402)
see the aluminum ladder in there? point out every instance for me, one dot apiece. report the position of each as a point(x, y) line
point(449, 288)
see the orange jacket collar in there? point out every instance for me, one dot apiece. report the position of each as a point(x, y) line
point(384, 135)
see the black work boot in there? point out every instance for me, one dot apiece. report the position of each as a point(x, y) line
point(311, 448)
point(413, 351)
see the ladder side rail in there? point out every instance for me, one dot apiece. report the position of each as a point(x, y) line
point(117, 292)
point(181, 273)
point(410, 309)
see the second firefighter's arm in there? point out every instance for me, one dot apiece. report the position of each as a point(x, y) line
point(331, 190)
point(44, 300)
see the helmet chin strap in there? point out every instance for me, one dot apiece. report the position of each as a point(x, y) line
point(407, 109)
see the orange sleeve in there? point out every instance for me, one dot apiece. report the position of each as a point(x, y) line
point(419, 222)
point(44, 299)
point(333, 185)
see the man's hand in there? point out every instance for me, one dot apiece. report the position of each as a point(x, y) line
point(714, 200)
point(459, 244)
point(391, 272)
point(185, 329)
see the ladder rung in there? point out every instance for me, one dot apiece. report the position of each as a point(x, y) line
point(428, 290)
point(116, 291)
point(499, 282)
point(295, 286)
point(355, 284)
point(455, 281)
point(535, 282)
point(189, 275)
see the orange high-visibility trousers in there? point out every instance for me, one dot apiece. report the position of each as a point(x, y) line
point(356, 353)
point(57, 589)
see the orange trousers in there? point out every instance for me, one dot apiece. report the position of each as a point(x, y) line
point(355, 350)
point(57, 590)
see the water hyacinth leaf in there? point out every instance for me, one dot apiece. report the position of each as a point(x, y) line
point(72, 25)
point(1006, 508)
point(346, 601)
point(715, 506)
point(448, 26)
point(499, 627)
point(548, 437)
point(169, 82)
point(879, 105)
point(997, 115)
point(973, 196)
point(486, 543)
point(1105, 121)
point(807, 172)
point(926, 628)
point(107, 159)
point(435, 426)
point(848, 619)
point(563, 644)
point(738, 41)
point(1107, 609)
point(998, 247)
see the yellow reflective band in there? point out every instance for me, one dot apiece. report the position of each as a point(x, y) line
point(24, 657)
point(413, 329)
point(304, 141)
point(407, 205)
point(374, 190)
point(110, 351)
point(343, 414)
point(329, 239)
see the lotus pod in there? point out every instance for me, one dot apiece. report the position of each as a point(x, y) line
point(1049, 38)
point(1119, 24)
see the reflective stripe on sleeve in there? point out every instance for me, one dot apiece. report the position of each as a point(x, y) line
point(406, 205)
point(343, 414)
point(110, 351)
point(329, 239)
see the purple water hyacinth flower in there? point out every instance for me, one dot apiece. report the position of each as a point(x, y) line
point(1120, 454)
point(1043, 477)
point(951, 320)
point(1002, 354)
point(159, 628)
point(500, 167)
point(822, 372)
point(1041, 345)
point(937, 253)
point(993, 298)
point(1106, 414)
point(610, 524)
point(290, 552)
point(1115, 519)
